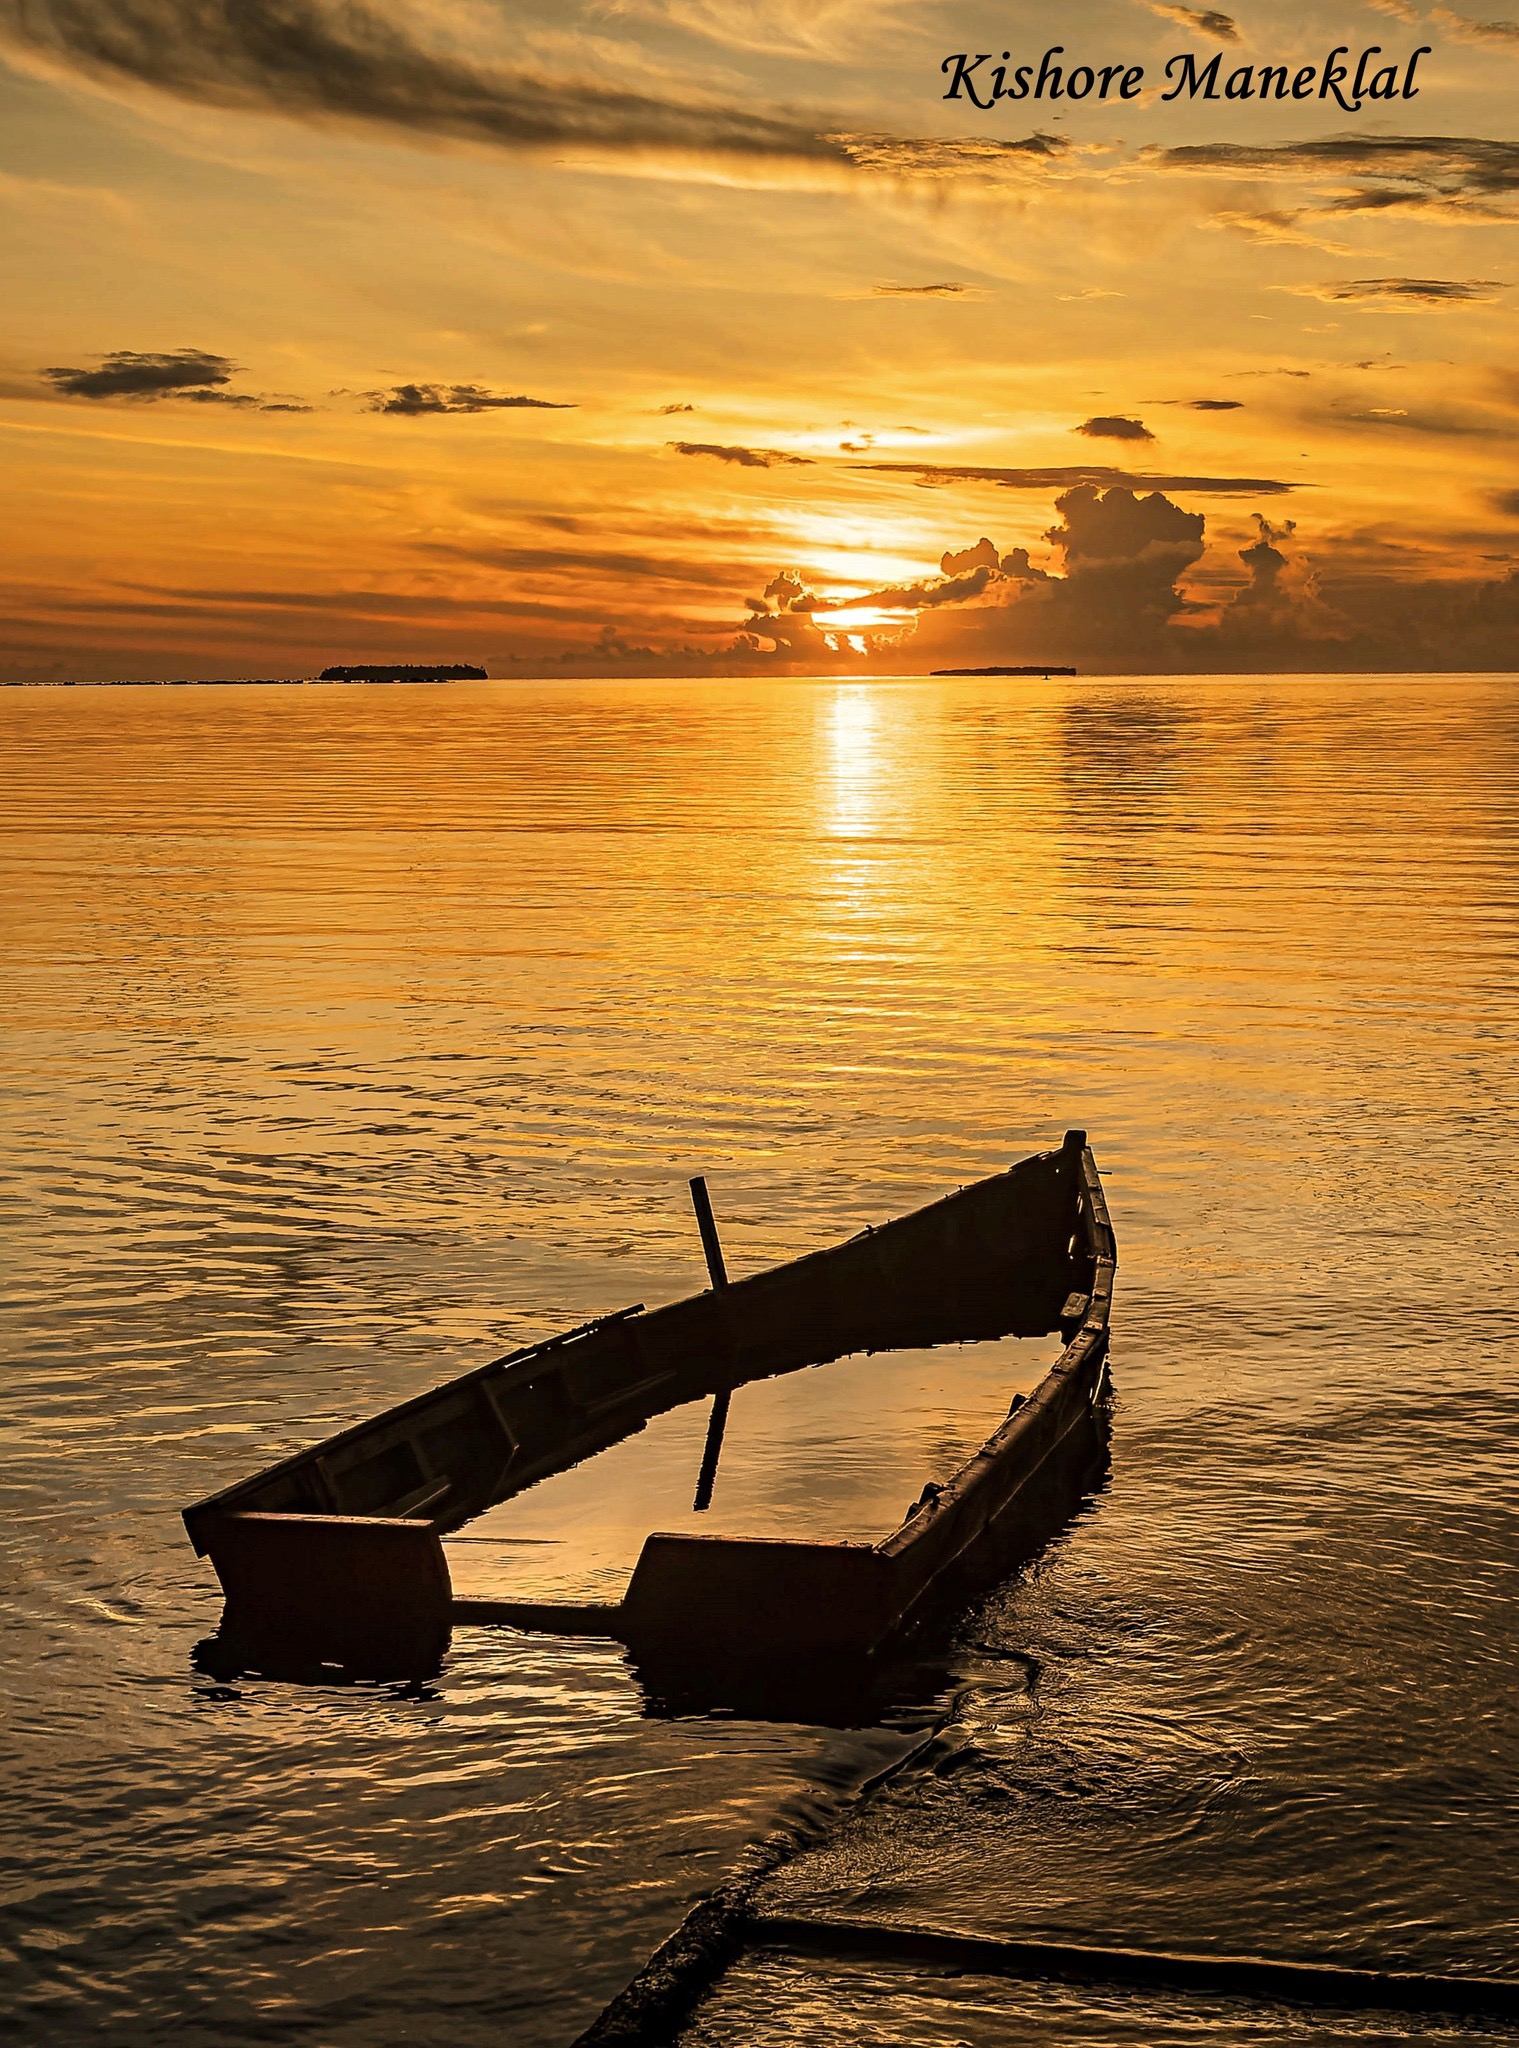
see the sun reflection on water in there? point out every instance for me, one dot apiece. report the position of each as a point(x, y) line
point(854, 761)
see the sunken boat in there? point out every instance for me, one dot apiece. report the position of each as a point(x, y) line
point(334, 1557)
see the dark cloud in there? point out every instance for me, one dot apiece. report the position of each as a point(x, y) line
point(924, 291)
point(746, 458)
point(1399, 419)
point(933, 591)
point(412, 401)
point(1468, 177)
point(1462, 29)
point(1213, 404)
point(1265, 561)
point(982, 556)
point(347, 59)
point(965, 574)
point(357, 604)
point(353, 60)
point(954, 156)
point(789, 593)
point(127, 374)
point(1123, 557)
point(1112, 426)
point(1206, 21)
point(600, 564)
point(941, 473)
point(191, 375)
point(1418, 291)
point(1115, 601)
point(664, 411)
point(784, 617)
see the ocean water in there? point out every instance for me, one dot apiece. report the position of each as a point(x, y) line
point(354, 1036)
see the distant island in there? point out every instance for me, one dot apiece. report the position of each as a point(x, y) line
point(1038, 669)
point(407, 672)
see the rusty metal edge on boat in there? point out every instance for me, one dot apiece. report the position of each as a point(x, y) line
point(333, 1558)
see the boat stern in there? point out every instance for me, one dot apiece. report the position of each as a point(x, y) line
point(368, 1594)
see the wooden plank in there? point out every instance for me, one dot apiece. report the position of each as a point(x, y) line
point(1303, 1981)
point(540, 1617)
point(369, 1592)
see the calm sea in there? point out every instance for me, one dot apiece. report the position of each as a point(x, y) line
point(355, 1035)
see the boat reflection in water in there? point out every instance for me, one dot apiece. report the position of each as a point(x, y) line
point(333, 1564)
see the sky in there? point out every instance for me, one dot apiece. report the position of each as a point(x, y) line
point(697, 337)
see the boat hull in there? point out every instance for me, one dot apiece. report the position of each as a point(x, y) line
point(334, 1556)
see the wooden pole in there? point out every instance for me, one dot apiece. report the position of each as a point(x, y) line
point(706, 1223)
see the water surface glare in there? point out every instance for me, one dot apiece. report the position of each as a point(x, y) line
point(357, 1035)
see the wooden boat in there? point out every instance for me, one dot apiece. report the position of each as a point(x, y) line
point(334, 1556)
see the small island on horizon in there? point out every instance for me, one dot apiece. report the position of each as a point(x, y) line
point(1038, 668)
point(405, 672)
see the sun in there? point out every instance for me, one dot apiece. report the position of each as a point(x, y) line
point(864, 618)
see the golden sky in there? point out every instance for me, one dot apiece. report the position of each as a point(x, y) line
point(692, 336)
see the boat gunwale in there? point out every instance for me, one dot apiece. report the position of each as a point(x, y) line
point(226, 1498)
point(1024, 1418)
point(241, 1496)
point(985, 1465)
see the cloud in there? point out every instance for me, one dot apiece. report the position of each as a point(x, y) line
point(1115, 601)
point(1111, 426)
point(354, 61)
point(1399, 419)
point(982, 556)
point(1404, 291)
point(1213, 404)
point(798, 28)
point(1266, 562)
point(938, 158)
point(939, 473)
point(746, 458)
point(1280, 225)
point(1205, 21)
point(127, 374)
point(925, 291)
point(347, 60)
point(1445, 176)
point(664, 411)
point(1123, 556)
point(593, 566)
point(192, 375)
point(1462, 29)
point(966, 575)
point(412, 401)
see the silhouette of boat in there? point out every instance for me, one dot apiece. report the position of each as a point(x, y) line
point(334, 1556)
